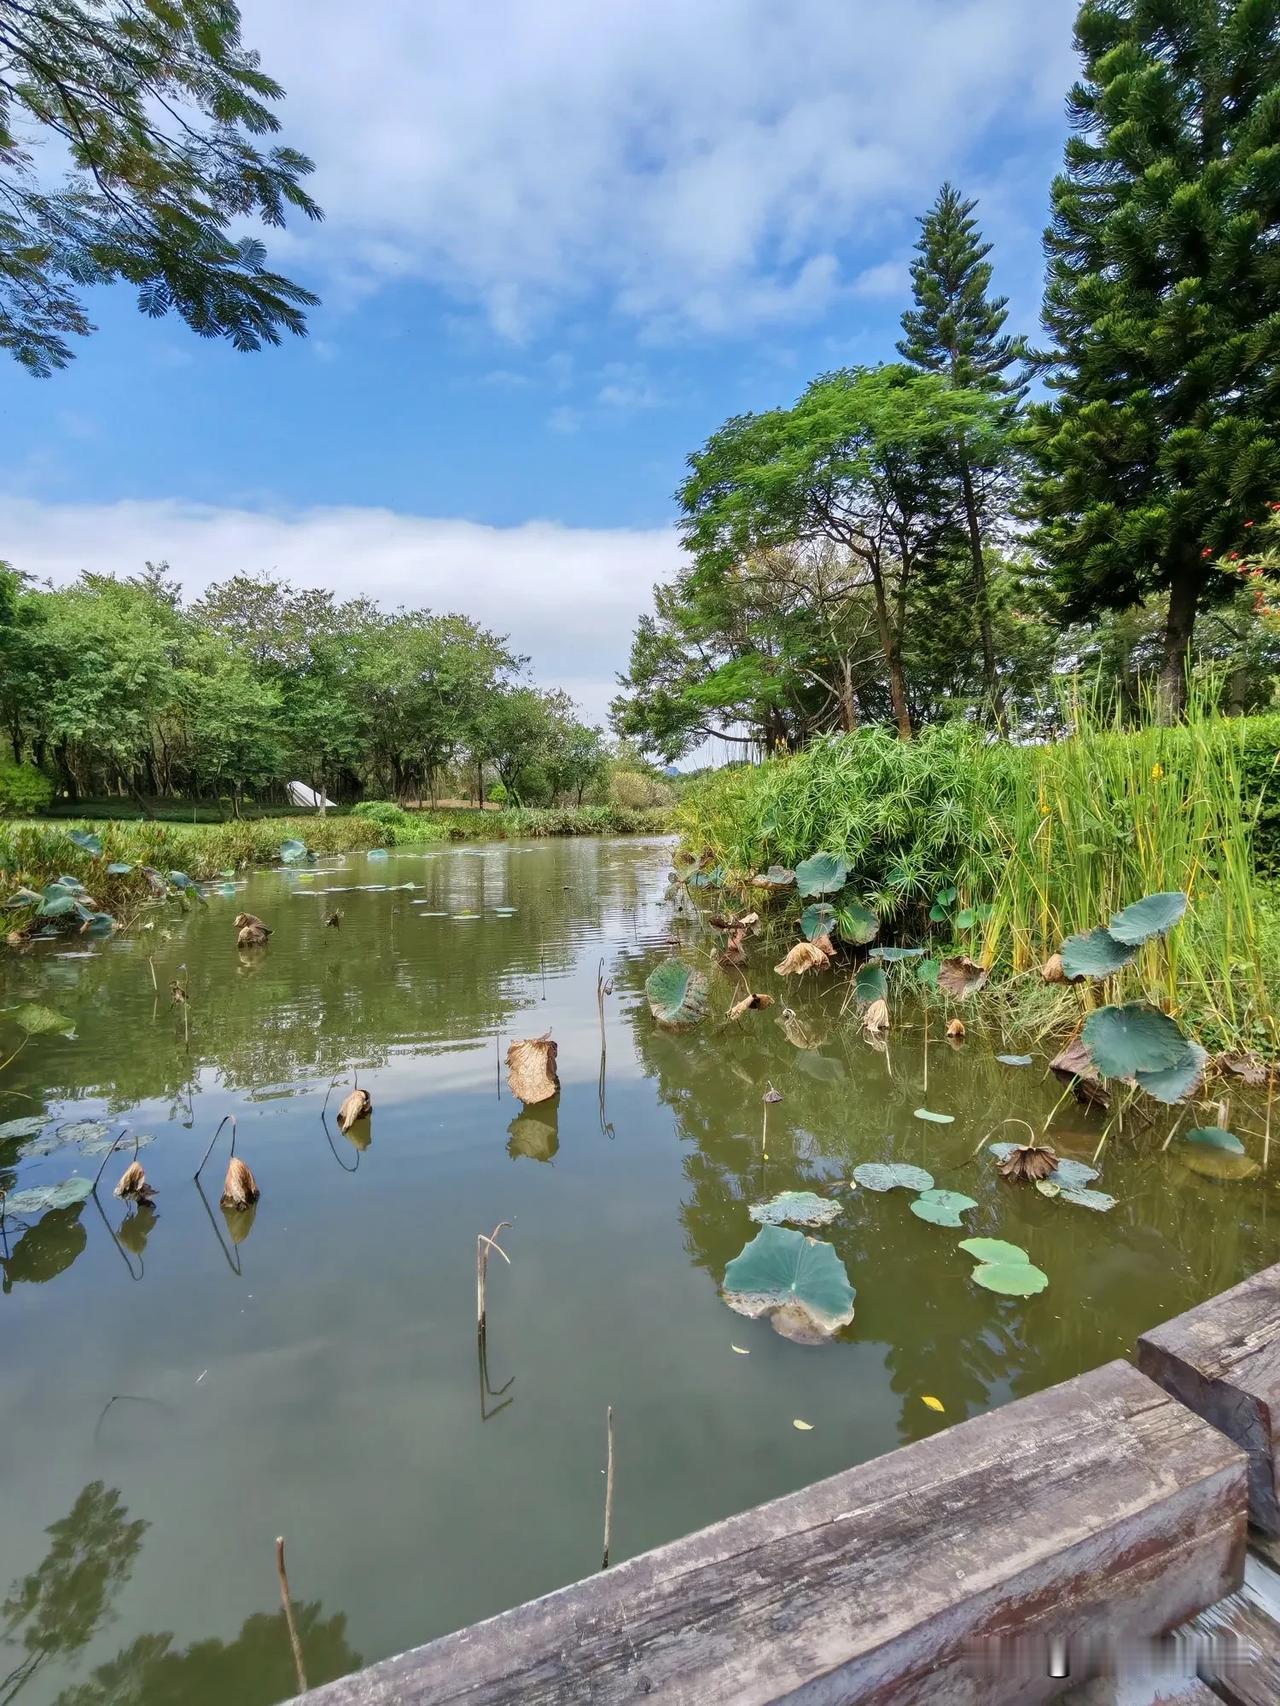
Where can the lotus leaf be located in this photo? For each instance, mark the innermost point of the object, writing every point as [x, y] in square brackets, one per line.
[821, 874]
[857, 923]
[1072, 1175]
[85, 842]
[938, 1119]
[1011, 1279]
[531, 1069]
[119, 868]
[891, 956]
[39, 1021]
[927, 973]
[1219, 1164]
[98, 924]
[1214, 1137]
[966, 920]
[293, 849]
[817, 920]
[677, 995]
[804, 957]
[712, 879]
[57, 902]
[1179, 1081]
[1014, 1059]
[381, 853]
[24, 897]
[942, 1208]
[888, 1175]
[947, 896]
[26, 1127]
[73, 885]
[994, 1250]
[961, 977]
[1095, 954]
[821, 1067]
[1083, 1198]
[871, 984]
[801, 1208]
[938, 913]
[798, 1282]
[1134, 1038]
[43, 1197]
[83, 1131]
[1150, 916]
[534, 1134]
[1002, 1151]
[776, 877]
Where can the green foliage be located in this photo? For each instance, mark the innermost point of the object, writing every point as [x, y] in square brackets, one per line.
[381, 811]
[154, 111]
[784, 1270]
[677, 995]
[24, 790]
[1159, 443]
[1096, 953]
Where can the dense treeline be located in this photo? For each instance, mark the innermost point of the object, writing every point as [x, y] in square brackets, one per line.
[924, 538]
[118, 686]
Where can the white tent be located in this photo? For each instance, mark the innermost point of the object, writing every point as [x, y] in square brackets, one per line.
[300, 795]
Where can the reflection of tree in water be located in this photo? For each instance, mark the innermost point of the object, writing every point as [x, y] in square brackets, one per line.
[46, 1249]
[64, 1603]
[59, 1608]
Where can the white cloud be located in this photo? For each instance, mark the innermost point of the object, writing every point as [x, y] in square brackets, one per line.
[711, 167]
[568, 597]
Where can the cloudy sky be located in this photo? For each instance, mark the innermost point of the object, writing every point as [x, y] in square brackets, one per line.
[563, 242]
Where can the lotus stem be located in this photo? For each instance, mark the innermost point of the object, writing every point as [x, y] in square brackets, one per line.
[483, 1247]
[209, 1151]
[152, 964]
[111, 1149]
[608, 1489]
[287, 1603]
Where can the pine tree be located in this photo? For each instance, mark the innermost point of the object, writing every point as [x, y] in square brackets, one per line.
[1162, 298]
[957, 329]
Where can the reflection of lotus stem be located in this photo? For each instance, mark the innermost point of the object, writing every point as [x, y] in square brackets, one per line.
[1271, 1090]
[483, 1247]
[152, 965]
[608, 1489]
[294, 1642]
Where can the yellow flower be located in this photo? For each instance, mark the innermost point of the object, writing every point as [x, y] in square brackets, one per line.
[1157, 771]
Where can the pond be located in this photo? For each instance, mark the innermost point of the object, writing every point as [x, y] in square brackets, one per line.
[172, 1399]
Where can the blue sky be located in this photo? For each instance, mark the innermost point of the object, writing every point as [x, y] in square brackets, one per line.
[564, 242]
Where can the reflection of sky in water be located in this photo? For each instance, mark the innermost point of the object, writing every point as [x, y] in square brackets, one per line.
[331, 1392]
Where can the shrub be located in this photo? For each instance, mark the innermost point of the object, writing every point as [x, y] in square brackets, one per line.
[632, 790]
[498, 794]
[24, 790]
[380, 811]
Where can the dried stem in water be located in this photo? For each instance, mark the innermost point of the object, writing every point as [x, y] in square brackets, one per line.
[287, 1603]
[209, 1151]
[608, 1490]
[483, 1247]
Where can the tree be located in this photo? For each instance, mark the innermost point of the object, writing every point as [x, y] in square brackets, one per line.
[956, 329]
[1163, 303]
[155, 106]
[862, 462]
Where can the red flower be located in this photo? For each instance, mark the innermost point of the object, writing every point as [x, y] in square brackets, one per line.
[1233, 556]
[1207, 552]
[1248, 524]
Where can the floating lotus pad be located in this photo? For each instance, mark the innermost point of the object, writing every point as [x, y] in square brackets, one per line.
[1082, 1198]
[1004, 1268]
[799, 1283]
[1153, 915]
[801, 1208]
[818, 920]
[28, 1126]
[857, 923]
[889, 1175]
[892, 955]
[40, 1021]
[776, 877]
[942, 1208]
[1179, 1081]
[1097, 953]
[821, 874]
[677, 995]
[1136, 1037]
[871, 984]
[1072, 1175]
[41, 1198]
[1215, 1137]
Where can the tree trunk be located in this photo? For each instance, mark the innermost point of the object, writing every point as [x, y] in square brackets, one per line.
[990, 676]
[1184, 598]
[891, 646]
[848, 703]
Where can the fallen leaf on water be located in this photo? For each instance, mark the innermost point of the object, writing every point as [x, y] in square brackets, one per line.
[748, 1004]
[805, 956]
[739, 1349]
[531, 1069]
[961, 977]
[934, 1404]
[804, 1427]
[876, 1017]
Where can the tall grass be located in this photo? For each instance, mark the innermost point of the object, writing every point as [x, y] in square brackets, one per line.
[1051, 839]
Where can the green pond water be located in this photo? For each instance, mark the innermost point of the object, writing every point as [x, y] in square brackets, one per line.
[171, 1399]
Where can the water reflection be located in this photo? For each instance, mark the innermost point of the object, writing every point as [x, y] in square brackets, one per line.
[44, 1250]
[535, 1131]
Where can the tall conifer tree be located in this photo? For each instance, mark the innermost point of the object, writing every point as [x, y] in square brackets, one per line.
[957, 329]
[1162, 439]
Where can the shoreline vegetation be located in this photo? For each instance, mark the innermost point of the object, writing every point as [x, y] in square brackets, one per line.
[36, 852]
[999, 853]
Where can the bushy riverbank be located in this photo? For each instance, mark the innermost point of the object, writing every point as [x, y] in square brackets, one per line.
[1000, 852]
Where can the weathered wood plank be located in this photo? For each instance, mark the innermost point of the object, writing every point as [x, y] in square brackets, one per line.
[1223, 1359]
[1098, 1511]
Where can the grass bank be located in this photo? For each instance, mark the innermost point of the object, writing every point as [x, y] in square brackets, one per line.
[1039, 843]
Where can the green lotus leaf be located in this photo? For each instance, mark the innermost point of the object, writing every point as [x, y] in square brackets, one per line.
[57, 904]
[1011, 1279]
[947, 896]
[381, 853]
[677, 995]
[1214, 1137]
[1073, 1175]
[1002, 1151]
[83, 1131]
[871, 984]
[85, 842]
[43, 1197]
[965, 920]
[798, 1282]
[1047, 1188]
[712, 879]
[776, 877]
[1014, 1059]
[817, 920]
[942, 1208]
[1134, 1038]
[1083, 1198]
[1177, 1082]
[28, 1126]
[938, 1119]
[1095, 954]
[24, 897]
[119, 868]
[1151, 916]
[857, 923]
[821, 874]
[39, 1021]
[993, 1250]
[292, 849]
[98, 924]
[927, 973]
[891, 956]
[801, 1208]
[72, 885]
[100, 1145]
[938, 913]
[889, 1175]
